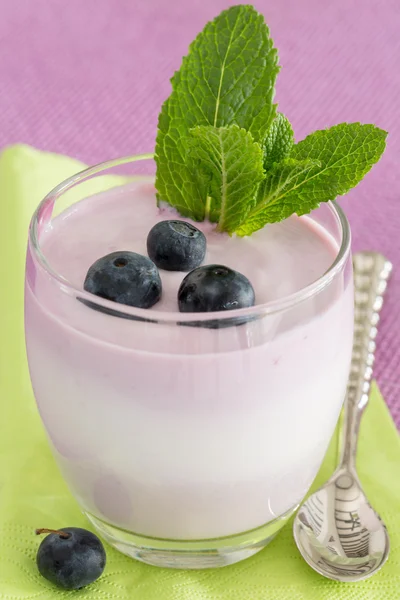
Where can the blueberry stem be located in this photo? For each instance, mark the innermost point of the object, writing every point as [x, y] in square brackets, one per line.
[62, 534]
[207, 208]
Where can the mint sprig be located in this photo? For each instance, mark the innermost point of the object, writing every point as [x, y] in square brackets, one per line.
[224, 154]
[228, 77]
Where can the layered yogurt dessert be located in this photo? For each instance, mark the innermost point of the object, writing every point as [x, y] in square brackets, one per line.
[189, 335]
[188, 432]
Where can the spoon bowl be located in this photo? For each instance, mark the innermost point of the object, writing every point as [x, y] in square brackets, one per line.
[339, 533]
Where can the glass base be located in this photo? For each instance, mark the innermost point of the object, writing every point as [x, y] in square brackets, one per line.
[190, 554]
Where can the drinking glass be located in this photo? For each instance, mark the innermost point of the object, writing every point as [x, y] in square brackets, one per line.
[187, 440]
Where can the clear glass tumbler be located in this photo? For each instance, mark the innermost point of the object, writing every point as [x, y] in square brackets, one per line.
[187, 443]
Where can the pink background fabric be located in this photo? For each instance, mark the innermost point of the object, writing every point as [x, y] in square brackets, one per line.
[87, 78]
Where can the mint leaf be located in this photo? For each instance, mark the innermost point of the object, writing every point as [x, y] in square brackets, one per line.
[343, 154]
[227, 78]
[346, 151]
[175, 181]
[229, 74]
[279, 141]
[233, 162]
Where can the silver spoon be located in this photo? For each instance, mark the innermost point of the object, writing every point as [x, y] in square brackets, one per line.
[336, 530]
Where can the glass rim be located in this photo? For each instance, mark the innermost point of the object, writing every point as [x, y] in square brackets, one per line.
[143, 314]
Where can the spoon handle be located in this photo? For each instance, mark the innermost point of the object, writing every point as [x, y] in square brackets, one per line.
[371, 273]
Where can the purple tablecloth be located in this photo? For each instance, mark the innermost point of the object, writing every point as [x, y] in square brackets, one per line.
[87, 78]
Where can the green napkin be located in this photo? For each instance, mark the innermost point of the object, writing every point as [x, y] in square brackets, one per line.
[33, 494]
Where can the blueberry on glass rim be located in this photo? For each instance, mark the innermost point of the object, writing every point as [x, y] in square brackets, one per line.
[176, 245]
[213, 288]
[71, 557]
[126, 278]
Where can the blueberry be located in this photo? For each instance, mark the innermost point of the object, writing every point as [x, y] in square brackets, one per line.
[214, 288]
[126, 278]
[176, 246]
[71, 557]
